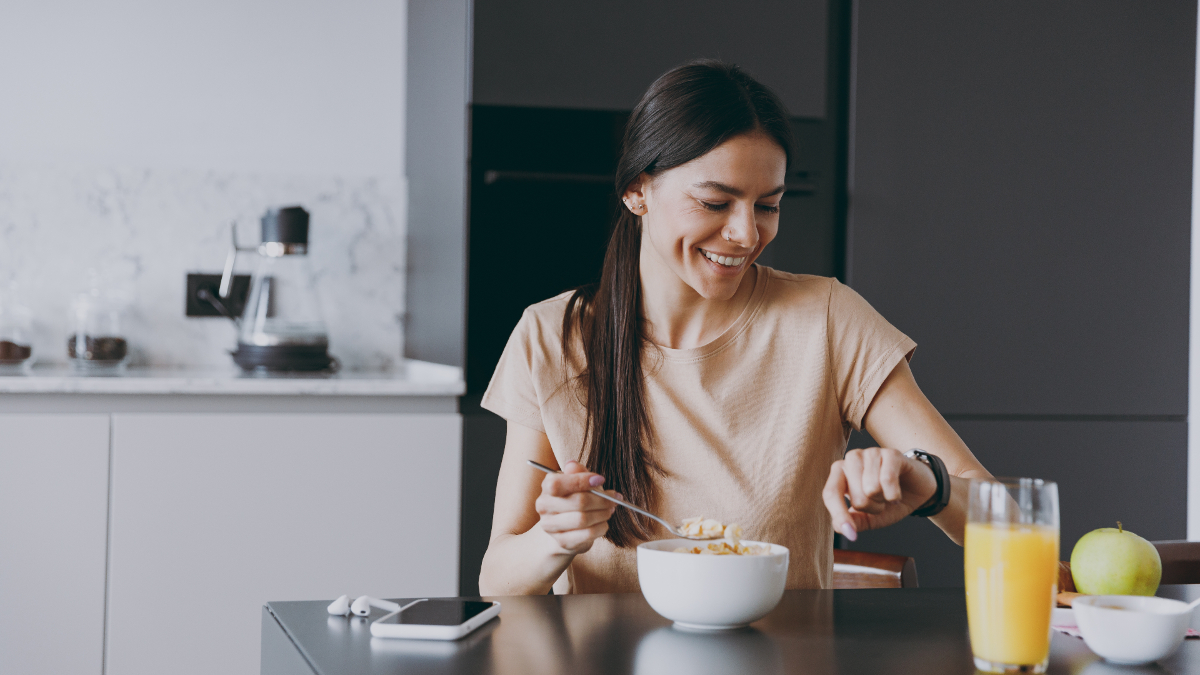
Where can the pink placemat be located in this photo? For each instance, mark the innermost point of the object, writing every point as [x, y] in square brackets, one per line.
[1073, 631]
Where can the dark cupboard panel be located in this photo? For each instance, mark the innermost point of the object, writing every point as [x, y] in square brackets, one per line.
[541, 209]
[810, 236]
[1134, 472]
[603, 55]
[1021, 198]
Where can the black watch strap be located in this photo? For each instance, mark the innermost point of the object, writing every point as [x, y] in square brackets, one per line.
[941, 497]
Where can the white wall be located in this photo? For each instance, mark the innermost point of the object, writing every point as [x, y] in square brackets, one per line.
[244, 85]
[133, 131]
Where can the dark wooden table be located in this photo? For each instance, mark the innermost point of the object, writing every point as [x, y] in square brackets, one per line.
[877, 632]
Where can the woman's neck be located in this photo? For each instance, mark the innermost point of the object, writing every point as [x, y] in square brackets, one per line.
[680, 318]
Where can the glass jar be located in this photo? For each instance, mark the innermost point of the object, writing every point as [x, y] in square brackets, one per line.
[16, 337]
[97, 343]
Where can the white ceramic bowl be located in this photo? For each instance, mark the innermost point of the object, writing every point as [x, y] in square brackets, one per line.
[710, 592]
[1131, 629]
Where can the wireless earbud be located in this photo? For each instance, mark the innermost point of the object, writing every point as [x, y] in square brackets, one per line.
[341, 606]
[363, 604]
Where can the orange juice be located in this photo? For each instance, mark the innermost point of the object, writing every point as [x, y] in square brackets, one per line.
[1011, 575]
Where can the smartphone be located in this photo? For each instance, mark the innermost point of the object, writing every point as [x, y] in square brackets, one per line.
[435, 619]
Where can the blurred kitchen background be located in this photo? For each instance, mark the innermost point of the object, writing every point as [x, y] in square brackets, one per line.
[1008, 183]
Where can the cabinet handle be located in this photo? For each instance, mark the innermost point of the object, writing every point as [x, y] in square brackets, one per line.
[491, 176]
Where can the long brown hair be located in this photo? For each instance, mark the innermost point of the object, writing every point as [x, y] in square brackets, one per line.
[686, 113]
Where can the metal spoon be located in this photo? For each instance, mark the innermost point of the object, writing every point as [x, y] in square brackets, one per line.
[598, 493]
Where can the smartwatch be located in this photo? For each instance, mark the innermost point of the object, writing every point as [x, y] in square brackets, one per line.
[941, 496]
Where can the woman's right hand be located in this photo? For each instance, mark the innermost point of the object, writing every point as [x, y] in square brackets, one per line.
[569, 512]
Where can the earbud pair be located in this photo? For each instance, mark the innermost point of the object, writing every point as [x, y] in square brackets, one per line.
[361, 606]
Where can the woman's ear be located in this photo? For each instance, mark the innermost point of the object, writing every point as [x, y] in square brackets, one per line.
[635, 195]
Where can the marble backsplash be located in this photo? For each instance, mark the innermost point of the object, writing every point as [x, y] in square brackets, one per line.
[140, 231]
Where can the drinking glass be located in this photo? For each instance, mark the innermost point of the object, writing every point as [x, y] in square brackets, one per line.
[1011, 572]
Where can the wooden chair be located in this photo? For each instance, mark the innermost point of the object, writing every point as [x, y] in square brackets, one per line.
[859, 569]
[1180, 565]
[1180, 561]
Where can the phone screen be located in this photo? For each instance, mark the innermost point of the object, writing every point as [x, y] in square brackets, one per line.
[442, 612]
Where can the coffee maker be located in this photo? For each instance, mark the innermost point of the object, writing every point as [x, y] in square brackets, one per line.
[281, 327]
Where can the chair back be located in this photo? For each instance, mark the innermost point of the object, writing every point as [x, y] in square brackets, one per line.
[859, 569]
[1180, 561]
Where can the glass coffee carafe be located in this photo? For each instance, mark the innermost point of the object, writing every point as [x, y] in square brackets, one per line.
[16, 333]
[97, 343]
[281, 327]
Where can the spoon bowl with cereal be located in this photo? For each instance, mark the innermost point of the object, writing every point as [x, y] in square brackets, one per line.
[687, 531]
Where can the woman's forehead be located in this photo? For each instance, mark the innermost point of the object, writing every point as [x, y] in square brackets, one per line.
[745, 164]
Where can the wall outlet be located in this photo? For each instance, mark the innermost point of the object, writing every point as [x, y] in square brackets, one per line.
[198, 306]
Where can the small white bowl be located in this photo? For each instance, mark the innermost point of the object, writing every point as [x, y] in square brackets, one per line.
[1131, 629]
[710, 592]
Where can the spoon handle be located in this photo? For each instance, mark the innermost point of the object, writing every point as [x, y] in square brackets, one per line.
[612, 499]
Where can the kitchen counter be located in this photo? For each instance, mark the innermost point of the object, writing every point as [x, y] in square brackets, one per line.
[418, 386]
[414, 378]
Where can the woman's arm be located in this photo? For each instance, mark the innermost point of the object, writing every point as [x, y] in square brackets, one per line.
[541, 522]
[883, 485]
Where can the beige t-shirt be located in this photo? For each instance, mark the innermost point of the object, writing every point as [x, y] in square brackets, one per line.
[746, 426]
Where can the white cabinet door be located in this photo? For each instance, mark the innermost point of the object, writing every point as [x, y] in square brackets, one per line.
[213, 515]
[53, 520]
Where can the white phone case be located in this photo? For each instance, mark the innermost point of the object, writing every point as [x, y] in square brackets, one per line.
[415, 631]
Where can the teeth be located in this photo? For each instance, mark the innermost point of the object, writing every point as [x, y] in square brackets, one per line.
[723, 260]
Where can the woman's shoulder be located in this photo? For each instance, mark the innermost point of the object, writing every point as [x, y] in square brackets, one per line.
[546, 317]
[541, 325]
[791, 290]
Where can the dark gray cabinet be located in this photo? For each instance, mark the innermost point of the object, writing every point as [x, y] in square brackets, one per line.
[1020, 205]
[603, 55]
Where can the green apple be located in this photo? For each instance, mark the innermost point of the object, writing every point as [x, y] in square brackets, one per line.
[1113, 561]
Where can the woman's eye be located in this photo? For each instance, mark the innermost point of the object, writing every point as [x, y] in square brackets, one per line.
[714, 207]
[767, 208]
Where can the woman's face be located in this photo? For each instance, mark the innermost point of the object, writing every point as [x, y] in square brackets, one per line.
[708, 220]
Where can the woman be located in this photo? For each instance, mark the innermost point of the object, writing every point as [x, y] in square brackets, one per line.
[694, 382]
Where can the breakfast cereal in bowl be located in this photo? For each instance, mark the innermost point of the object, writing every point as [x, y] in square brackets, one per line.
[731, 534]
[721, 584]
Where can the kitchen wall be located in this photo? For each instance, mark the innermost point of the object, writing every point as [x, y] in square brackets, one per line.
[132, 133]
[1021, 207]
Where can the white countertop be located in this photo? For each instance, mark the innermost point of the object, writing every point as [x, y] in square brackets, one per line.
[415, 378]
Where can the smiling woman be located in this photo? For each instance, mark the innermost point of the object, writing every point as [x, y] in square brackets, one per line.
[692, 380]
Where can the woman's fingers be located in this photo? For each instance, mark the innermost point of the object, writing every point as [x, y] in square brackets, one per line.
[852, 467]
[874, 478]
[889, 474]
[580, 541]
[570, 512]
[835, 502]
[574, 478]
[869, 479]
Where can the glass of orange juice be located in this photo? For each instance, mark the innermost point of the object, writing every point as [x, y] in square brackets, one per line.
[1011, 572]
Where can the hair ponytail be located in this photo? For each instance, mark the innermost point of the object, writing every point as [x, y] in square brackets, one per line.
[687, 112]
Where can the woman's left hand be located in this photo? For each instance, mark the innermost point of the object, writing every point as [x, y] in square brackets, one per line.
[883, 486]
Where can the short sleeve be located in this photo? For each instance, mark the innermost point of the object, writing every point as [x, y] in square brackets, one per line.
[512, 393]
[864, 349]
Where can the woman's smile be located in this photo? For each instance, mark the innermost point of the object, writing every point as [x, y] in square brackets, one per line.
[723, 260]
